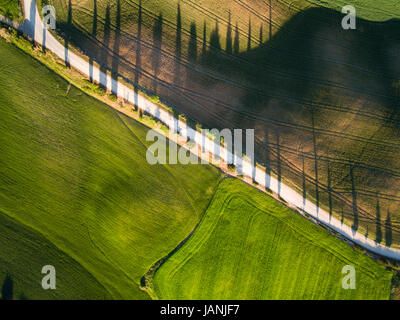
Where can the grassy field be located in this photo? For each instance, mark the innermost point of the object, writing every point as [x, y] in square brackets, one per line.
[249, 246]
[11, 9]
[381, 10]
[23, 253]
[76, 190]
[322, 100]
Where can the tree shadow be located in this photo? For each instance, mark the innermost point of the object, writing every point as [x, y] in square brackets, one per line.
[157, 42]
[236, 42]
[304, 184]
[314, 139]
[211, 55]
[94, 20]
[388, 230]
[178, 47]
[329, 190]
[228, 47]
[354, 196]
[138, 62]
[204, 41]
[342, 215]
[115, 57]
[104, 53]
[279, 162]
[215, 42]
[378, 235]
[69, 28]
[270, 19]
[267, 163]
[7, 290]
[32, 19]
[94, 34]
[192, 49]
[249, 37]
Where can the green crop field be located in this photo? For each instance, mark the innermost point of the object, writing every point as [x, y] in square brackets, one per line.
[248, 246]
[323, 101]
[23, 253]
[77, 192]
[373, 10]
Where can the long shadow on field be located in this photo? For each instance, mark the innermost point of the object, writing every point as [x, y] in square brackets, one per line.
[378, 232]
[288, 63]
[192, 49]
[7, 290]
[329, 189]
[304, 185]
[279, 162]
[106, 41]
[270, 19]
[138, 62]
[94, 34]
[178, 48]
[294, 71]
[249, 37]
[117, 36]
[315, 152]
[157, 42]
[388, 230]
[69, 27]
[229, 44]
[354, 195]
[236, 42]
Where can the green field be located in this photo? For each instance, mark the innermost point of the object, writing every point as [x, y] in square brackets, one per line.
[23, 253]
[373, 10]
[76, 191]
[11, 9]
[248, 246]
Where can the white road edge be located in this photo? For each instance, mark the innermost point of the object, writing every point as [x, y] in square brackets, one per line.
[33, 26]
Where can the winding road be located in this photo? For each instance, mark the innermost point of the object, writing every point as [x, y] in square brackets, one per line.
[33, 27]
